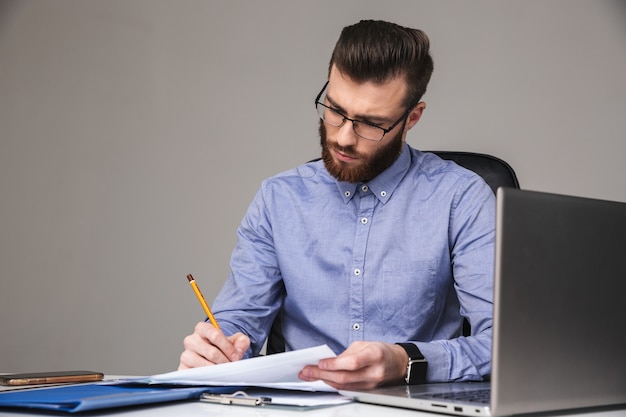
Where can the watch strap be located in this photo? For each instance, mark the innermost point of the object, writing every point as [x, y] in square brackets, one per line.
[417, 366]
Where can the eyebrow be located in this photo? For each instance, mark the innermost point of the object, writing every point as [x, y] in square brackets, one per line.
[372, 119]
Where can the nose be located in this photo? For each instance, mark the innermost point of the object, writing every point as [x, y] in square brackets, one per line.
[345, 134]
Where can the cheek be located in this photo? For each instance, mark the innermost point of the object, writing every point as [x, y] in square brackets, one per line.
[367, 149]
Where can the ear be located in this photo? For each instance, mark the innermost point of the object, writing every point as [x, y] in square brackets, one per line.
[415, 115]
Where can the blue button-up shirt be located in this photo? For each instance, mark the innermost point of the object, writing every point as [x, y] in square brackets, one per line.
[400, 258]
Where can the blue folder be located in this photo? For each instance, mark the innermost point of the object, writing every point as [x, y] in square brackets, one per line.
[97, 396]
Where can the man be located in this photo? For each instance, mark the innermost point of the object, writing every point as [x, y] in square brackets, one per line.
[374, 245]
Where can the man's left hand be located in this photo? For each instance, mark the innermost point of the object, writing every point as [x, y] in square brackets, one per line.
[363, 365]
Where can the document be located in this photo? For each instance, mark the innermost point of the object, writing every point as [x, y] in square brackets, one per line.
[272, 371]
[255, 376]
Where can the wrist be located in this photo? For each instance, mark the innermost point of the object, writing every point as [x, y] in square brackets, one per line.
[402, 359]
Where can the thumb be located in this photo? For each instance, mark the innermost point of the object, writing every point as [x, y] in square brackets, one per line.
[241, 342]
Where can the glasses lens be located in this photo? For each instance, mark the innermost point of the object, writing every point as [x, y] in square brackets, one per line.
[334, 118]
[329, 115]
[368, 131]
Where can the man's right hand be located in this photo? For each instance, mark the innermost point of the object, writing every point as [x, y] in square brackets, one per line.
[209, 346]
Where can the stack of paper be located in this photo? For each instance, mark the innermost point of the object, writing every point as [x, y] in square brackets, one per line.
[272, 371]
[278, 372]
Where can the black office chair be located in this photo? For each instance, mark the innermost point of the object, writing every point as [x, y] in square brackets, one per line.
[495, 172]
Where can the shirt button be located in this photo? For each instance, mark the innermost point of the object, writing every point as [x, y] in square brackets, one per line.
[356, 326]
[364, 188]
[383, 193]
[357, 272]
[347, 193]
[364, 220]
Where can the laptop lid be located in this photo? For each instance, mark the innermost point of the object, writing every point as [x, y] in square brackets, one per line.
[559, 337]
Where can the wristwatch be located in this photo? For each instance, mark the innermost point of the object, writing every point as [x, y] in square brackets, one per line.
[417, 366]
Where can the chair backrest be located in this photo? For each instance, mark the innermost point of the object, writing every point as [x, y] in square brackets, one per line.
[495, 172]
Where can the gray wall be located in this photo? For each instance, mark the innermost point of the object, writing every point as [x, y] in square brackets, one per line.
[133, 134]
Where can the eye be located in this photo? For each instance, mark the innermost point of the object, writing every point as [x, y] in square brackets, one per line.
[369, 127]
[371, 124]
[334, 114]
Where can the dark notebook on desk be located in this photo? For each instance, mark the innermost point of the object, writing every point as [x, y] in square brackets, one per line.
[559, 338]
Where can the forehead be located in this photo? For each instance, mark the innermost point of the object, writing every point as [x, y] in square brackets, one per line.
[368, 97]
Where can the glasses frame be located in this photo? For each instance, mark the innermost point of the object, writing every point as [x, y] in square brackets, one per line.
[384, 130]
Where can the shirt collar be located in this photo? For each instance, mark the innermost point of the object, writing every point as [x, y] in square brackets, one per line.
[384, 184]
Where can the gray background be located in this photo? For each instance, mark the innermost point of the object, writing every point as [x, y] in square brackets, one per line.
[133, 134]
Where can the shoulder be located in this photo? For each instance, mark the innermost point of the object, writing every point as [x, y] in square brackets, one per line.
[446, 178]
[300, 179]
[432, 164]
[441, 172]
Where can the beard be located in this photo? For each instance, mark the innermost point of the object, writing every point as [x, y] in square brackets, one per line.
[368, 168]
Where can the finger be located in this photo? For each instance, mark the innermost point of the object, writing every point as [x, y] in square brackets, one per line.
[338, 379]
[342, 363]
[190, 359]
[241, 342]
[358, 356]
[231, 348]
[224, 351]
[210, 344]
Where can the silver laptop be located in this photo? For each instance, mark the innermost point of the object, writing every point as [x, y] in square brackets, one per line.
[559, 337]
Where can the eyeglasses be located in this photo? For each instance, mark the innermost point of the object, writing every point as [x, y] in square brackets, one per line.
[362, 128]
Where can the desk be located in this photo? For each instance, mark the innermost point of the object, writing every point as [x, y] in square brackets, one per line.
[198, 409]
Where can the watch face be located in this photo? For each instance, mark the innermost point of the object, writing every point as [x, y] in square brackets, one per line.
[416, 368]
[416, 371]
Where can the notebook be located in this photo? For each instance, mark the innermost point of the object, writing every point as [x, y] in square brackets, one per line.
[559, 337]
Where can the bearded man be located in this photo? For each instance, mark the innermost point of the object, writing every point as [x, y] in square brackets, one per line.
[377, 250]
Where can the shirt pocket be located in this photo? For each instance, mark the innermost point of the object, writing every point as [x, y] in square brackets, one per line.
[409, 291]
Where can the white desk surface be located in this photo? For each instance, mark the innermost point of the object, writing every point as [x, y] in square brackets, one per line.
[198, 409]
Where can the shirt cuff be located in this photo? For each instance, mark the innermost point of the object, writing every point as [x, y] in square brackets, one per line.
[438, 360]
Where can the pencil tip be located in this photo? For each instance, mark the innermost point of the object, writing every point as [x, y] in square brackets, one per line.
[189, 278]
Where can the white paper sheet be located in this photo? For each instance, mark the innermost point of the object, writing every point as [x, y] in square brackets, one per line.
[272, 371]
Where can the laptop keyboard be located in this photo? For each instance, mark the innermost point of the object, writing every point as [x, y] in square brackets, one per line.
[480, 396]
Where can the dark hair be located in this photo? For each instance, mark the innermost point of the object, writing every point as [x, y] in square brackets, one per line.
[373, 50]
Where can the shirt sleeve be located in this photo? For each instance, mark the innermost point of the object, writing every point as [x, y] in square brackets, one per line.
[471, 237]
[252, 294]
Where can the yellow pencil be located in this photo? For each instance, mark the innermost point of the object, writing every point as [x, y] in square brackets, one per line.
[205, 306]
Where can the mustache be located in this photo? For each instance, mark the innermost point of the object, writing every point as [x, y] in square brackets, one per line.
[346, 150]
